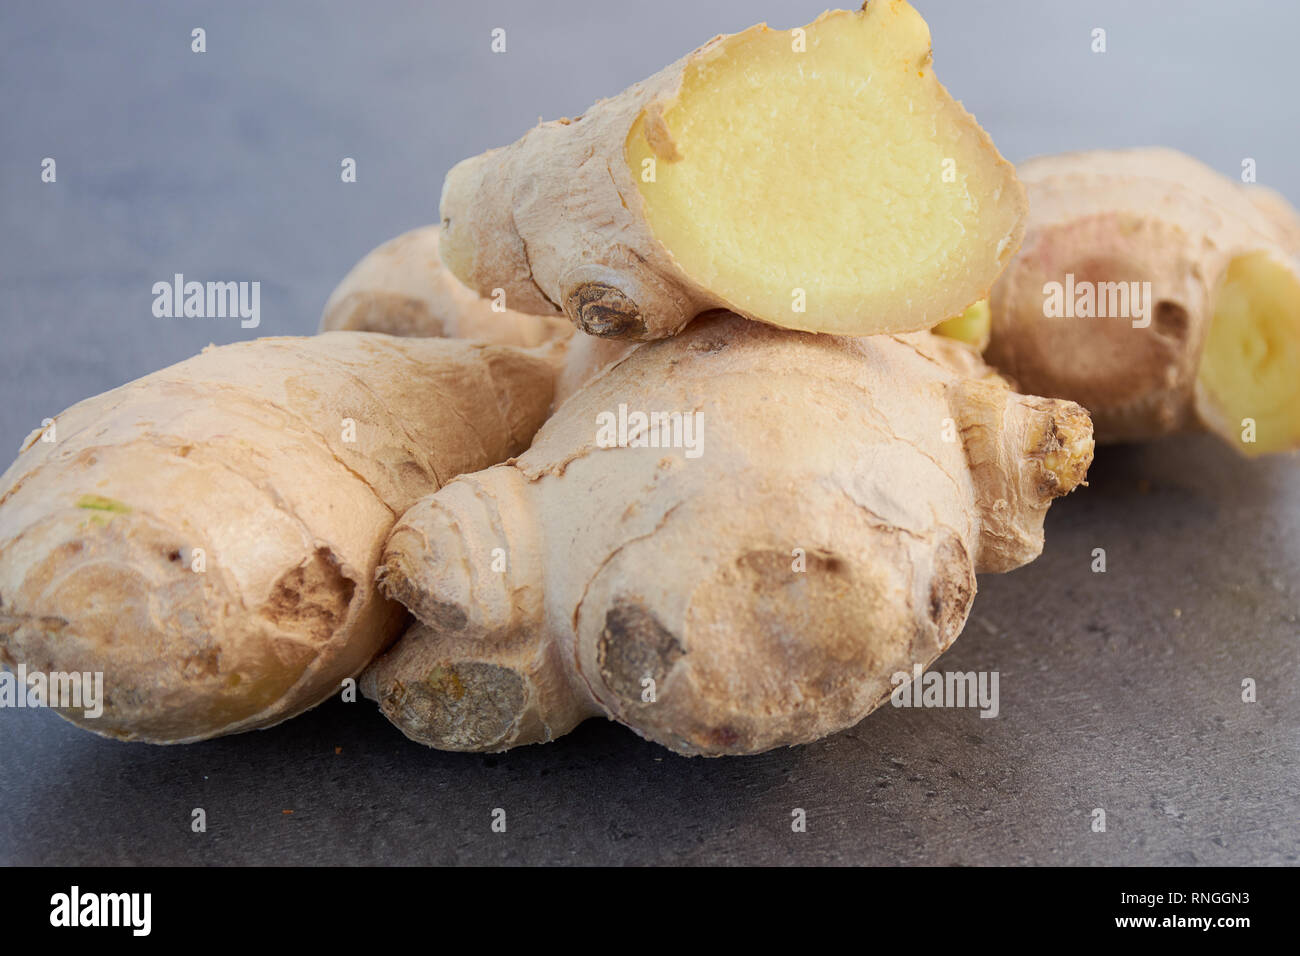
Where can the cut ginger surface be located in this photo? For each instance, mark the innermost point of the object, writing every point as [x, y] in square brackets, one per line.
[844, 172]
[1248, 382]
[819, 178]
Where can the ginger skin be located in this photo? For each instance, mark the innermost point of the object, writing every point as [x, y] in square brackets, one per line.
[207, 536]
[402, 288]
[759, 594]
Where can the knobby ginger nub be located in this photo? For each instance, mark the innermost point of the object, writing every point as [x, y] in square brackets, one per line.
[818, 179]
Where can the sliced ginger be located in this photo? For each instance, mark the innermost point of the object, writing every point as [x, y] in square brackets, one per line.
[819, 179]
[1211, 338]
[823, 171]
[1250, 367]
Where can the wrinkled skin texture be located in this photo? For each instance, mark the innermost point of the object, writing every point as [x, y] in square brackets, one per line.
[207, 536]
[760, 594]
[403, 288]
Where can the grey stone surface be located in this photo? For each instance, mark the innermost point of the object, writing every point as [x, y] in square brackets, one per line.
[1118, 690]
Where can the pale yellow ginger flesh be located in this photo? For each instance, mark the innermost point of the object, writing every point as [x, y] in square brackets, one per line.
[972, 326]
[1250, 368]
[843, 180]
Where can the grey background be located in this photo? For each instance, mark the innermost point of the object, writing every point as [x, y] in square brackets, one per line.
[1118, 691]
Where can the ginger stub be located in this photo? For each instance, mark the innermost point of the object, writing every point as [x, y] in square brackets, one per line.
[818, 179]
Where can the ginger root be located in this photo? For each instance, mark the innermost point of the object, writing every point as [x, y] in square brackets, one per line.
[1209, 270]
[402, 288]
[816, 531]
[207, 536]
[819, 179]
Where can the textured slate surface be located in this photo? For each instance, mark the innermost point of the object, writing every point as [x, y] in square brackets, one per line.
[1118, 690]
